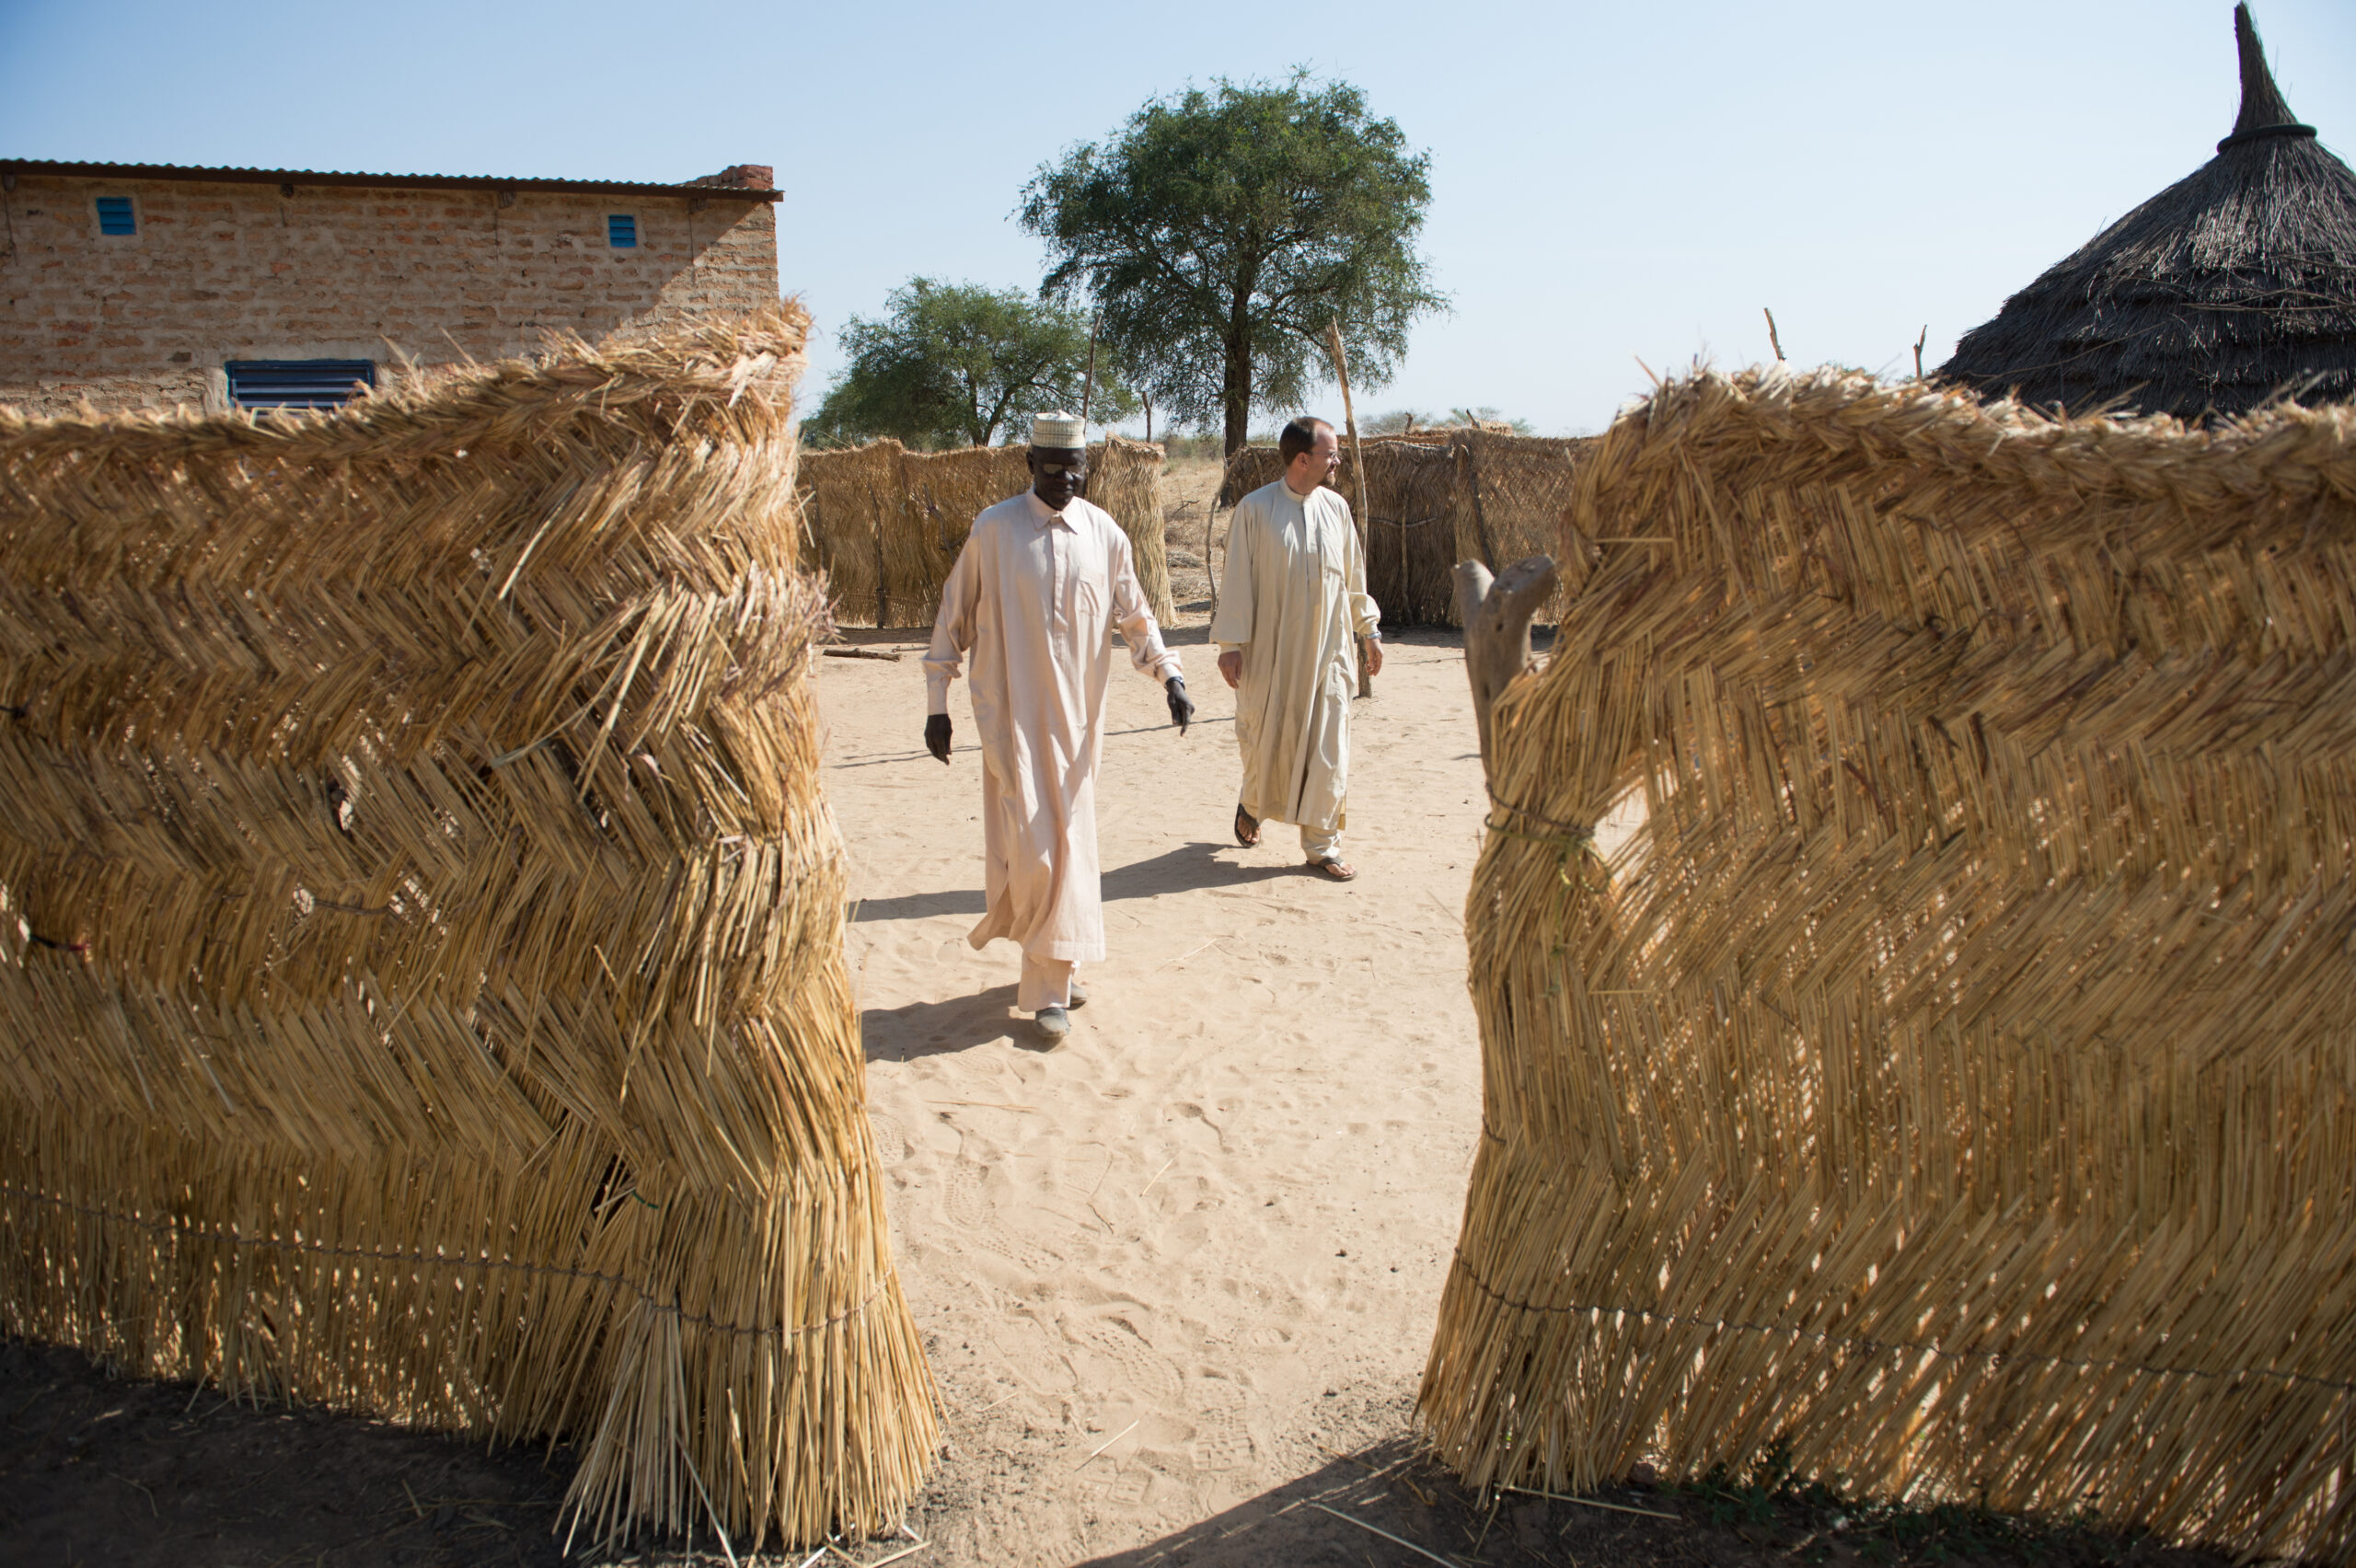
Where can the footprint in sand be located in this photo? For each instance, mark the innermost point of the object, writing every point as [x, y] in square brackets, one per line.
[1223, 1442]
[975, 1213]
[1112, 1357]
[891, 1140]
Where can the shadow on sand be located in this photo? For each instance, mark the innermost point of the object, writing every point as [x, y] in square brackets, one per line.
[920, 906]
[1323, 1518]
[1184, 868]
[933, 1029]
[958, 1023]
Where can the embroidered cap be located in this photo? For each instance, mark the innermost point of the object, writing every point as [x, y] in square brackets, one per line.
[1059, 431]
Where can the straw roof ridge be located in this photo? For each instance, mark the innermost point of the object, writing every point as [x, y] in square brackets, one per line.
[2231, 289]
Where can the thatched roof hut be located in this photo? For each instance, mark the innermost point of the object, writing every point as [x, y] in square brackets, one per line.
[2234, 286]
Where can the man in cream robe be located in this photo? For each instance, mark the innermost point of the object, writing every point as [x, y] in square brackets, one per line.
[1293, 612]
[1041, 582]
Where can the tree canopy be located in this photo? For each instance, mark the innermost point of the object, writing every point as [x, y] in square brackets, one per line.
[1220, 231]
[957, 364]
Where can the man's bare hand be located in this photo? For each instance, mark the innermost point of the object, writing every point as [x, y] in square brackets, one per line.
[1231, 667]
[1373, 646]
[936, 735]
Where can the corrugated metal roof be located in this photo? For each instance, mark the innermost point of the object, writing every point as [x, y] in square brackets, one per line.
[707, 188]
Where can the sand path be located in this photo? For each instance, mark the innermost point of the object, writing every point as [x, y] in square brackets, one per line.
[1196, 1251]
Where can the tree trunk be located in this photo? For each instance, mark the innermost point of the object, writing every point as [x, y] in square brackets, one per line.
[1237, 396]
[1236, 387]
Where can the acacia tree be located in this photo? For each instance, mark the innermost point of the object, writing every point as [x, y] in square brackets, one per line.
[1220, 232]
[952, 365]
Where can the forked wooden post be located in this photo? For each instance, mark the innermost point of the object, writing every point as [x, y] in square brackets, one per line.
[1358, 471]
[1495, 612]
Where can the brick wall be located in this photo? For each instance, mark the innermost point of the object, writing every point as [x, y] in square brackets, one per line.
[219, 271]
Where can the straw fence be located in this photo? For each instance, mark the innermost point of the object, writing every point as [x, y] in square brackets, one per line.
[887, 522]
[422, 975]
[1435, 498]
[1955, 1073]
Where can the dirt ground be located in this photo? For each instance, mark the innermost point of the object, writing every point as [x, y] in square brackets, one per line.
[1176, 1275]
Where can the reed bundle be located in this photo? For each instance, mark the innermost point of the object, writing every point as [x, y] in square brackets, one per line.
[1437, 498]
[422, 970]
[1955, 1076]
[888, 523]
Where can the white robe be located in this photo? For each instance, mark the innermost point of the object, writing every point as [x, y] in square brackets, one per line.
[1032, 603]
[1293, 597]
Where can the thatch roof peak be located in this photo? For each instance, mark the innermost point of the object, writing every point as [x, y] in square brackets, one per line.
[2233, 287]
[2264, 111]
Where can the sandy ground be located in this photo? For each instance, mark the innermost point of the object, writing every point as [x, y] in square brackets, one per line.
[1196, 1250]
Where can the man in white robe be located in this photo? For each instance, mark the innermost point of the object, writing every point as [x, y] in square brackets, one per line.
[1293, 614]
[1041, 582]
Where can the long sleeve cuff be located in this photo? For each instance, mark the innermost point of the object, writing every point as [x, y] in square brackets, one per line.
[936, 692]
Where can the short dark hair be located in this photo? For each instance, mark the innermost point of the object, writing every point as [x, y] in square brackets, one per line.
[1300, 436]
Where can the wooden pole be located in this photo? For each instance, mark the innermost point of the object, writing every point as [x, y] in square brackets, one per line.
[1357, 470]
[1088, 387]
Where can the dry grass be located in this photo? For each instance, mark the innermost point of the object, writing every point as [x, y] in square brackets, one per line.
[424, 941]
[1953, 1076]
[887, 522]
[1437, 498]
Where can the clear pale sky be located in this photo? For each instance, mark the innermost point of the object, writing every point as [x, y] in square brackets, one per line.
[1608, 183]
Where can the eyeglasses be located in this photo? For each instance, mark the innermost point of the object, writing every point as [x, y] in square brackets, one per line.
[1077, 471]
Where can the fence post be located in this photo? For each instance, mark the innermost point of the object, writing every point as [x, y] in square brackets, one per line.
[1480, 513]
[1357, 476]
[883, 593]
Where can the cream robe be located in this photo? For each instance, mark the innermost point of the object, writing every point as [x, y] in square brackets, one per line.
[1293, 597]
[1033, 603]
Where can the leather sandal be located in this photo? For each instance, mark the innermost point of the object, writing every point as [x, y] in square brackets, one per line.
[1247, 828]
[1333, 866]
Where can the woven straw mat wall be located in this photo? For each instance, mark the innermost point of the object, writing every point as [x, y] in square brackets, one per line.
[1955, 1073]
[888, 523]
[1434, 499]
[422, 971]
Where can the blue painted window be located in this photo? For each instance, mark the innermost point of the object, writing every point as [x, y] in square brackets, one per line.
[297, 384]
[115, 215]
[621, 231]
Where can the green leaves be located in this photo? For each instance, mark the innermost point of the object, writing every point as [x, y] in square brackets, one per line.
[1220, 231]
[955, 364]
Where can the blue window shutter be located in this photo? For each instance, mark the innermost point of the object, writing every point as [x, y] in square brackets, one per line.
[115, 215]
[297, 384]
[621, 231]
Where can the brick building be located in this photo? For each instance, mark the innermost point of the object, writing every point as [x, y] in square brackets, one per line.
[143, 285]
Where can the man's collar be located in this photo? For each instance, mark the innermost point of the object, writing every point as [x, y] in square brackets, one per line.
[1287, 482]
[1043, 515]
